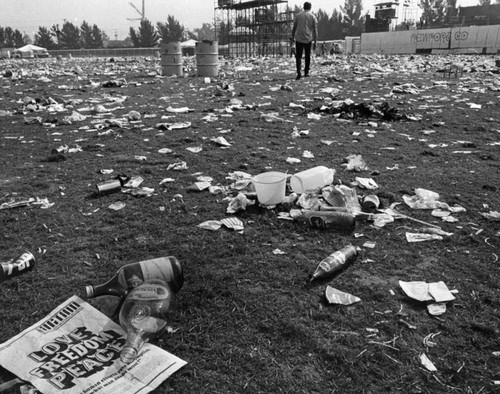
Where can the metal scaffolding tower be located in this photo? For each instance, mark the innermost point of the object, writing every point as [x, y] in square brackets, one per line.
[253, 27]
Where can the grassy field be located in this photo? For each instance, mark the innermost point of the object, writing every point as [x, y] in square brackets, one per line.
[245, 321]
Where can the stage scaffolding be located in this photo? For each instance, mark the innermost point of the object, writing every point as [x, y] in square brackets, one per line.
[253, 28]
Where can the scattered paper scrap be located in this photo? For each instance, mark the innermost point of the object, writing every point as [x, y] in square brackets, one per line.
[15, 204]
[194, 149]
[436, 309]
[167, 180]
[173, 126]
[422, 237]
[424, 360]
[369, 244]
[367, 183]
[116, 206]
[182, 110]
[292, 160]
[232, 223]
[199, 186]
[440, 292]
[335, 296]
[418, 290]
[178, 166]
[491, 215]
[423, 291]
[220, 141]
[134, 181]
[212, 225]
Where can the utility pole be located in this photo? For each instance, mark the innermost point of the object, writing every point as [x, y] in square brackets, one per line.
[141, 13]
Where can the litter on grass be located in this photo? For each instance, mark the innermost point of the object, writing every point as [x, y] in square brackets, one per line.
[335, 296]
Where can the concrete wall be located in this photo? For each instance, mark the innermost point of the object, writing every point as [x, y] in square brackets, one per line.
[469, 39]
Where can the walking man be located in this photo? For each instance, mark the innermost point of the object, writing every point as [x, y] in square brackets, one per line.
[305, 34]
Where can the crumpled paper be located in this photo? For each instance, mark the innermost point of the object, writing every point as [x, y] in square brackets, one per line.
[238, 203]
[491, 215]
[424, 199]
[367, 183]
[355, 163]
[341, 196]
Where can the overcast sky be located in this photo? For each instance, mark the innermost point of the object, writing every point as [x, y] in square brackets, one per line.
[112, 16]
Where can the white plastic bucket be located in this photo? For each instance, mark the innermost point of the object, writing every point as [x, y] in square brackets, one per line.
[270, 187]
[311, 179]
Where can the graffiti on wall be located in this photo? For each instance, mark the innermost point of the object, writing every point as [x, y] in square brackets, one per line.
[464, 39]
[418, 38]
[461, 35]
[443, 37]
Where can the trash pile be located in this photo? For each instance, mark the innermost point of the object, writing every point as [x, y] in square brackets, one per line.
[348, 109]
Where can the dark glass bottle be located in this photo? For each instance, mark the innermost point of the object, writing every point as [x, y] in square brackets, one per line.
[334, 220]
[168, 269]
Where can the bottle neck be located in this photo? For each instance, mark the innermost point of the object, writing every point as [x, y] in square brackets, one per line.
[134, 343]
[111, 287]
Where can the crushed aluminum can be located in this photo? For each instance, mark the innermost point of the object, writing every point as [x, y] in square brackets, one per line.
[17, 266]
[61, 149]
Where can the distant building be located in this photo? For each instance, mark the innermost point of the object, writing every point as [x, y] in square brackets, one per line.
[406, 14]
[388, 15]
[478, 15]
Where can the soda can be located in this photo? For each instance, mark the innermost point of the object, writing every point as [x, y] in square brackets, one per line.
[17, 266]
[111, 186]
[370, 203]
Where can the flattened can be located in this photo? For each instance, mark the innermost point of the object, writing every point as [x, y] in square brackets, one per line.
[21, 264]
[111, 186]
[61, 149]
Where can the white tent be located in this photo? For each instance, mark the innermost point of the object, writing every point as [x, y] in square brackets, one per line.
[188, 47]
[188, 44]
[30, 51]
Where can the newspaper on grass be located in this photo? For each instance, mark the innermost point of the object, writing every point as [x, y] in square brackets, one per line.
[76, 349]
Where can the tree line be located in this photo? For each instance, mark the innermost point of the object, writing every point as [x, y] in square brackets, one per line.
[348, 21]
[70, 36]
